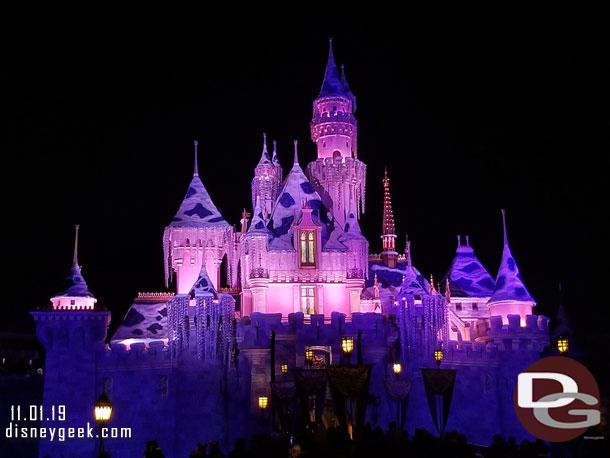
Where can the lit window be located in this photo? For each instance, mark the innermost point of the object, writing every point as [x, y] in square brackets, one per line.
[308, 300]
[308, 248]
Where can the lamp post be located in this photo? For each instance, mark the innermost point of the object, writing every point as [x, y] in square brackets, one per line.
[284, 369]
[397, 368]
[263, 402]
[438, 357]
[103, 410]
[347, 345]
[562, 345]
[309, 357]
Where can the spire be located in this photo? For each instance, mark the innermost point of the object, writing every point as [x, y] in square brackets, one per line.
[296, 154]
[74, 284]
[265, 154]
[432, 289]
[459, 237]
[388, 214]
[332, 84]
[274, 159]
[409, 263]
[504, 227]
[447, 290]
[509, 286]
[196, 170]
[75, 257]
[375, 287]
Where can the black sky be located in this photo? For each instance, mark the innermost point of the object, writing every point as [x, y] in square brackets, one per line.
[469, 116]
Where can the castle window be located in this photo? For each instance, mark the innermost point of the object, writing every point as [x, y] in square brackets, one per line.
[308, 248]
[458, 307]
[475, 306]
[334, 108]
[308, 300]
[72, 302]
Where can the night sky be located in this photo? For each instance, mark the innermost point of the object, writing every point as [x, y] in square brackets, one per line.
[468, 118]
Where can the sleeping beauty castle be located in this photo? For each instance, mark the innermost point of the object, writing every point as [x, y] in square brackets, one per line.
[288, 319]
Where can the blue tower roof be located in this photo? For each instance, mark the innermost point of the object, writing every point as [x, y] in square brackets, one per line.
[414, 282]
[294, 192]
[467, 276]
[74, 284]
[265, 159]
[197, 208]
[203, 286]
[258, 226]
[509, 285]
[332, 84]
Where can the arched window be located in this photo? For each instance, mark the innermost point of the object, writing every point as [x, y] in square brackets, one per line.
[308, 300]
[308, 248]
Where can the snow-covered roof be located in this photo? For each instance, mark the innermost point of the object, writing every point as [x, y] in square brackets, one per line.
[467, 276]
[352, 229]
[197, 208]
[295, 191]
[203, 286]
[145, 321]
[509, 285]
[75, 285]
[258, 225]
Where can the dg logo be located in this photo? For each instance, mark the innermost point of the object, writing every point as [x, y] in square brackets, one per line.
[557, 399]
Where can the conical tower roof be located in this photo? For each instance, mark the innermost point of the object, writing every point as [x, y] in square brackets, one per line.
[265, 159]
[332, 84]
[467, 276]
[295, 190]
[258, 226]
[203, 286]
[74, 284]
[197, 208]
[509, 285]
[414, 282]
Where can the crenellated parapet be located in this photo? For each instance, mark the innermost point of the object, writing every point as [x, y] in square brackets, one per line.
[137, 355]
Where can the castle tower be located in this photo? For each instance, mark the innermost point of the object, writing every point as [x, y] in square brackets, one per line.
[337, 173]
[389, 255]
[198, 235]
[256, 257]
[510, 297]
[267, 179]
[72, 331]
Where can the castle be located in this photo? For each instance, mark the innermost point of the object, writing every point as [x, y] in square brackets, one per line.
[284, 290]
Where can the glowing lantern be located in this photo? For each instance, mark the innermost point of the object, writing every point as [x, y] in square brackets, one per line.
[397, 368]
[438, 356]
[103, 408]
[347, 345]
[284, 369]
[562, 345]
[309, 356]
[263, 401]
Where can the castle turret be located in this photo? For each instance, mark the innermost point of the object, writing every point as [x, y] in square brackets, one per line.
[198, 235]
[267, 179]
[256, 257]
[389, 255]
[337, 173]
[509, 297]
[72, 331]
[75, 295]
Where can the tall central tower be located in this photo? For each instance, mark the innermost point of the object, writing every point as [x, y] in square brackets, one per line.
[337, 174]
